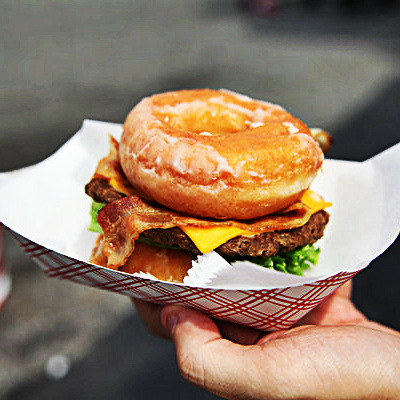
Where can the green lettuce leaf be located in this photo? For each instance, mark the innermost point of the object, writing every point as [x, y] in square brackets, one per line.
[94, 225]
[292, 262]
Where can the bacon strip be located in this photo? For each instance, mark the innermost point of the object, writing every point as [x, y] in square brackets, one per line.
[124, 220]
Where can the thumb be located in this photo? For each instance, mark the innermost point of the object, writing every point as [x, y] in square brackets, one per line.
[204, 357]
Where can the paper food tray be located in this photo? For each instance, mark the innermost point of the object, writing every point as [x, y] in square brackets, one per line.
[47, 212]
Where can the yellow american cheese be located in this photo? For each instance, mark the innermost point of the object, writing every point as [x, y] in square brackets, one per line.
[314, 201]
[207, 239]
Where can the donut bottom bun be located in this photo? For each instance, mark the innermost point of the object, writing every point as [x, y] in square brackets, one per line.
[218, 154]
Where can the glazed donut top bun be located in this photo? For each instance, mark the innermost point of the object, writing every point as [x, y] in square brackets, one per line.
[218, 154]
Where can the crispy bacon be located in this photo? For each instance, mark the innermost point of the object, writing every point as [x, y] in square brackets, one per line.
[124, 220]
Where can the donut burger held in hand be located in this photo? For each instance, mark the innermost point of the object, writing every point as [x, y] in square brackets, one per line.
[208, 170]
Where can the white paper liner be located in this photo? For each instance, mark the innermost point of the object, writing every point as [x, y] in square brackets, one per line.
[46, 203]
[212, 270]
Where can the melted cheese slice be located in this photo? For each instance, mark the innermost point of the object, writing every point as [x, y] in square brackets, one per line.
[314, 201]
[208, 239]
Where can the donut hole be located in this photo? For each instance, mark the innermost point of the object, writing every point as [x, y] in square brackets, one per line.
[213, 113]
[214, 120]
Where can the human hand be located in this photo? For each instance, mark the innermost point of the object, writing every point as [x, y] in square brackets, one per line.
[334, 352]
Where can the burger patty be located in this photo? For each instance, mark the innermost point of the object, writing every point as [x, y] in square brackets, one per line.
[101, 191]
[265, 244]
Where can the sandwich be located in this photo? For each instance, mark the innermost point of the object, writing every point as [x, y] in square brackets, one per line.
[203, 170]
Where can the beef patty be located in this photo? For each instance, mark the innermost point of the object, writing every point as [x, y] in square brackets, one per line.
[265, 244]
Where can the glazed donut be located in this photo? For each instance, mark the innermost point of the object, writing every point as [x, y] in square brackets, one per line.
[218, 154]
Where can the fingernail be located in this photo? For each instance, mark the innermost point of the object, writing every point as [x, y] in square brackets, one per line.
[172, 320]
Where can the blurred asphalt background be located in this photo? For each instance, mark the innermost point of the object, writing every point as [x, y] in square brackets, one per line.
[334, 65]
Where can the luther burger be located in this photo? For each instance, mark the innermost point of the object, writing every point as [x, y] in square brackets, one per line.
[207, 170]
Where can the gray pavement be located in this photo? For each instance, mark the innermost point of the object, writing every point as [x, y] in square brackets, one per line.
[63, 61]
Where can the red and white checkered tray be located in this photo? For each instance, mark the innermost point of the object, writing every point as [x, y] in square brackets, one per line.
[266, 309]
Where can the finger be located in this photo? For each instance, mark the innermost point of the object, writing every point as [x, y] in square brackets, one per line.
[336, 309]
[204, 357]
[227, 369]
[344, 290]
[150, 315]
